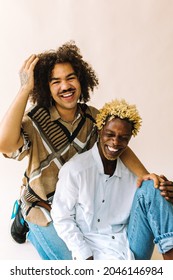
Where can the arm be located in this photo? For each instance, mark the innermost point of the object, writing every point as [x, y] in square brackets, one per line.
[134, 165]
[161, 182]
[64, 213]
[10, 126]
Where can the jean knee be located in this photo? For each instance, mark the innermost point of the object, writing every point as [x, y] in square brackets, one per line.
[147, 189]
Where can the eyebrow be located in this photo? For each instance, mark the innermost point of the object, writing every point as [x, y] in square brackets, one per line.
[68, 76]
[107, 130]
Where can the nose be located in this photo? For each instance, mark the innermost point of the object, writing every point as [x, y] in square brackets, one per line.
[64, 85]
[115, 141]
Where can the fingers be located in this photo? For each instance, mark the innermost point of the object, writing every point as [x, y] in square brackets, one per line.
[156, 179]
[166, 190]
[166, 183]
[30, 62]
[163, 177]
[168, 196]
[167, 193]
[26, 72]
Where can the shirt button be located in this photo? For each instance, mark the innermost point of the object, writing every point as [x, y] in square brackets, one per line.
[103, 201]
[98, 220]
[113, 237]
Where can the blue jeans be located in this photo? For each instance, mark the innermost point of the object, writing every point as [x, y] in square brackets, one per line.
[151, 222]
[47, 242]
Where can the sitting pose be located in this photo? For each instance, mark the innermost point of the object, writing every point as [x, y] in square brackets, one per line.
[98, 211]
[58, 125]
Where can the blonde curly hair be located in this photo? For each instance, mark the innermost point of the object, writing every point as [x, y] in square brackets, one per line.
[122, 110]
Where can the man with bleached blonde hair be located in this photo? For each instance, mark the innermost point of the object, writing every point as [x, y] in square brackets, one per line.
[97, 210]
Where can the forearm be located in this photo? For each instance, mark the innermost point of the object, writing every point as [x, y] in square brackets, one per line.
[133, 163]
[10, 138]
[10, 126]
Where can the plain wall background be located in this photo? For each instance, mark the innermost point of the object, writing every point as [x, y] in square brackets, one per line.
[129, 43]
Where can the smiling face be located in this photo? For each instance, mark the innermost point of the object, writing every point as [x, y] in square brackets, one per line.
[114, 138]
[65, 87]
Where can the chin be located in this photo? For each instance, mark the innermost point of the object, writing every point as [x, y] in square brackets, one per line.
[111, 158]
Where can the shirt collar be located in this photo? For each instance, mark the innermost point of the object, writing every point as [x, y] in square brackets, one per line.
[97, 158]
[54, 114]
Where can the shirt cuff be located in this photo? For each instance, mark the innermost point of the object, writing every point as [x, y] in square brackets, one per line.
[82, 254]
[25, 147]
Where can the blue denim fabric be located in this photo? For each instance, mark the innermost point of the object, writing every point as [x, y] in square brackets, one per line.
[151, 222]
[47, 242]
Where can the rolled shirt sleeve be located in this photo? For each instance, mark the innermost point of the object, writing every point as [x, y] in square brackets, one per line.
[22, 151]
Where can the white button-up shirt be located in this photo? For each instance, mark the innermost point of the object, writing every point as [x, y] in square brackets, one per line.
[90, 209]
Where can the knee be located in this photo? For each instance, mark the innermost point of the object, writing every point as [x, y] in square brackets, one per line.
[147, 190]
[147, 186]
[144, 197]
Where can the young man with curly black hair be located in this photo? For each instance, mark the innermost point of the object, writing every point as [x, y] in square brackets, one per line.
[57, 126]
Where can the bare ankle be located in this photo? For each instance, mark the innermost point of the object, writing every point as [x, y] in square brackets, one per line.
[168, 255]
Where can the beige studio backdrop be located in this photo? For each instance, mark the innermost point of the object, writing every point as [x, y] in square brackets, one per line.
[130, 45]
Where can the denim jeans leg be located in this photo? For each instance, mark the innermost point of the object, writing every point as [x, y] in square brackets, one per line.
[47, 242]
[150, 222]
[33, 240]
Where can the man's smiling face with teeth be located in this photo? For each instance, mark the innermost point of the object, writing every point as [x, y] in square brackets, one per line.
[64, 86]
[114, 138]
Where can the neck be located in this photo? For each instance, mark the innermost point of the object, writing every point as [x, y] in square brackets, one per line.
[67, 115]
[109, 166]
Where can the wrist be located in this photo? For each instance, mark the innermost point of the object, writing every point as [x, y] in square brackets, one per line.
[24, 91]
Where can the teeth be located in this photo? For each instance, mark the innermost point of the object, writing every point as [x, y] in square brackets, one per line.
[112, 149]
[67, 95]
